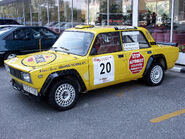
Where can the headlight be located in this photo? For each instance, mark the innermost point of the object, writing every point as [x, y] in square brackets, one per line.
[7, 68]
[26, 77]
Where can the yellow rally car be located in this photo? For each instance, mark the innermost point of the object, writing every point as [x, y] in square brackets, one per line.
[86, 58]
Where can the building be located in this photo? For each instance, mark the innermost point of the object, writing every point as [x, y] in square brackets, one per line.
[165, 19]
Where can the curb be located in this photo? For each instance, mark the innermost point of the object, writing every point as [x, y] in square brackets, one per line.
[178, 69]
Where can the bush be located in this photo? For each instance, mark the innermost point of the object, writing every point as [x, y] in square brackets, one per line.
[182, 48]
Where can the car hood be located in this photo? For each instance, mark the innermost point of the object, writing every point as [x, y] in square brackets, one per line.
[41, 59]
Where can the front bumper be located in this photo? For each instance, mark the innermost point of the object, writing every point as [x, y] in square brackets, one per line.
[20, 87]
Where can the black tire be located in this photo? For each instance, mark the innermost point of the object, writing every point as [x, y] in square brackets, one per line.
[154, 75]
[63, 95]
[9, 54]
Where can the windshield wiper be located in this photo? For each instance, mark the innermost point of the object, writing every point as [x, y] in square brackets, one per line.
[61, 49]
[64, 48]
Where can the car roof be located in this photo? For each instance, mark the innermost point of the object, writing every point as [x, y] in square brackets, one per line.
[101, 29]
[11, 25]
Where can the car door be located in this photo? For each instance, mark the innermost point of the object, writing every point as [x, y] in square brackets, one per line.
[20, 40]
[46, 37]
[137, 52]
[106, 60]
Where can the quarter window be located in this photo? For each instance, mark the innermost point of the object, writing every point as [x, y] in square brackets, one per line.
[133, 40]
[107, 43]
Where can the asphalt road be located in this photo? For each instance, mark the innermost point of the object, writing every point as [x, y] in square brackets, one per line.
[122, 111]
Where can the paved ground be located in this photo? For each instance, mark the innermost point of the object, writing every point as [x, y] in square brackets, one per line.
[122, 111]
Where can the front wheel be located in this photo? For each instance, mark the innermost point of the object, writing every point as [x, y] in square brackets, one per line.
[155, 75]
[63, 94]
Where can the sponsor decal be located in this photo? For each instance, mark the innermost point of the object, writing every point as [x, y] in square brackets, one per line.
[132, 33]
[47, 56]
[86, 75]
[71, 65]
[136, 62]
[103, 69]
[39, 59]
[30, 59]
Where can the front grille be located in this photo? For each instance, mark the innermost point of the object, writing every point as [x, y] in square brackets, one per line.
[15, 72]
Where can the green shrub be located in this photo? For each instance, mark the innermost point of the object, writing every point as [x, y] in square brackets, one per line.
[182, 48]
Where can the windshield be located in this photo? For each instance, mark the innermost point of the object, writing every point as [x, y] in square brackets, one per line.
[74, 42]
[4, 30]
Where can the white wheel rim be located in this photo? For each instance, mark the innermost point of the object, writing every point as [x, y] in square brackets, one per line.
[11, 56]
[65, 95]
[156, 74]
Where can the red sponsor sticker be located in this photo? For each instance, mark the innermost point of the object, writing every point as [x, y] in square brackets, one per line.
[48, 56]
[30, 59]
[136, 62]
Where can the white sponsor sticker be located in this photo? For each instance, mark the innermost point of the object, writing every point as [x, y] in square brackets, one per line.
[130, 33]
[103, 69]
[131, 46]
[30, 90]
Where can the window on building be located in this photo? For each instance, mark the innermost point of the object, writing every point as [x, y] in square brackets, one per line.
[120, 12]
[179, 23]
[155, 16]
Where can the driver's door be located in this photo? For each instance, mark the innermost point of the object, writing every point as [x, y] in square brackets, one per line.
[106, 61]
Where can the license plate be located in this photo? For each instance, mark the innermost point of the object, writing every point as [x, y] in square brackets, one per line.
[30, 90]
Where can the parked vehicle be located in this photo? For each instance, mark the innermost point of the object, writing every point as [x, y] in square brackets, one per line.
[56, 27]
[86, 58]
[17, 40]
[8, 22]
[9, 26]
[50, 24]
[63, 26]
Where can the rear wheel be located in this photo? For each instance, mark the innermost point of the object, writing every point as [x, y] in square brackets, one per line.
[155, 75]
[63, 94]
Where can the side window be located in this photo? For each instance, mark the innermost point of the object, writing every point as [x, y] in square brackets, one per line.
[22, 34]
[106, 43]
[133, 40]
[36, 34]
[42, 33]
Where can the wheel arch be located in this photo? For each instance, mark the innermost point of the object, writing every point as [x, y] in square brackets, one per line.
[71, 74]
[159, 58]
[9, 52]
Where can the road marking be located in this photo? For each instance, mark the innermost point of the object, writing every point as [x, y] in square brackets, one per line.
[119, 94]
[167, 116]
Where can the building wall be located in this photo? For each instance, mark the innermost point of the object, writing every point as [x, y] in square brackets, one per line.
[45, 12]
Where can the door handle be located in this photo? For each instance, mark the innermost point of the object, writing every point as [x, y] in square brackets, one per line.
[149, 52]
[120, 56]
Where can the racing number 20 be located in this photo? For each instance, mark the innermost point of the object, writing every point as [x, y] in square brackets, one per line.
[105, 67]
